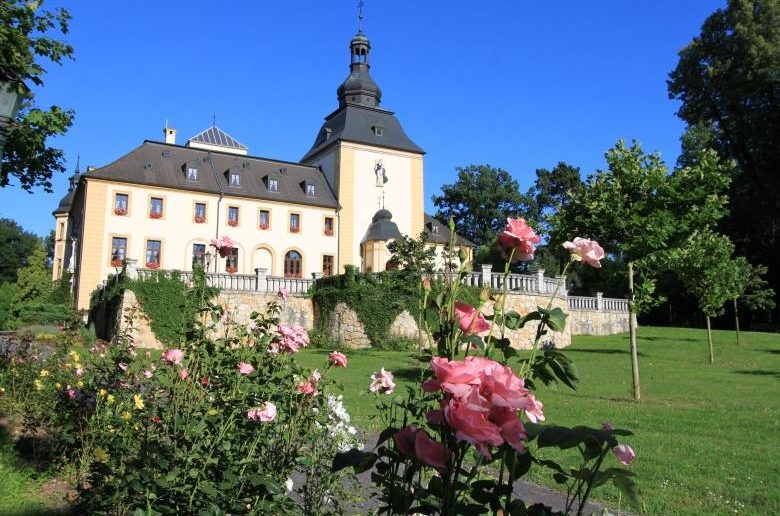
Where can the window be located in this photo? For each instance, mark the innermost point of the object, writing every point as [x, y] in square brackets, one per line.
[235, 179]
[327, 265]
[231, 261]
[378, 130]
[156, 208]
[233, 216]
[118, 251]
[292, 264]
[200, 212]
[265, 219]
[120, 204]
[435, 229]
[273, 185]
[310, 190]
[62, 230]
[153, 248]
[198, 255]
[295, 223]
[192, 174]
[329, 226]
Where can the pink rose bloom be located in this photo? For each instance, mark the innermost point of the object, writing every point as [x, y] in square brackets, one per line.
[625, 455]
[504, 389]
[148, 373]
[315, 377]
[184, 373]
[283, 293]
[510, 426]
[586, 250]
[518, 236]
[79, 371]
[221, 242]
[404, 440]
[71, 392]
[307, 388]
[273, 348]
[533, 410]
[245, 368]
[173, 356]
[432, 453]
[122, 366]
[470, 319]
[293, 338]
[338, 359]
[264, 413]
[382, 381]
[472, 426]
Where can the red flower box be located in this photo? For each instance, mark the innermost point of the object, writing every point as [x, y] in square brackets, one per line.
[328, 232]
[155, 215]
[232, 270]
[232, 223]
[264, 226]
[294, 229]
[120, 211]
[153, 265]
[116, 262]
[199, 219]
[294, 276]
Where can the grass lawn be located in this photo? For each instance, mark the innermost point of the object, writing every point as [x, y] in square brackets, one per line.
[707, 436]
[18, 489]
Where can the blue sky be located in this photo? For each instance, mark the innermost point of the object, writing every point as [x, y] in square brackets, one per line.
[517, 85]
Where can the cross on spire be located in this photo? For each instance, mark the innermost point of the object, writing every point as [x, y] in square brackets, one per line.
[360, 5]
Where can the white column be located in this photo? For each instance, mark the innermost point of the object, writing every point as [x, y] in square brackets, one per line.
[599, 301]
[487, 273]
[261, 283]
[540, 281]
[131, 268]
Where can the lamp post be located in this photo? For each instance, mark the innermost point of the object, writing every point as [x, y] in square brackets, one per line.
[12, 93]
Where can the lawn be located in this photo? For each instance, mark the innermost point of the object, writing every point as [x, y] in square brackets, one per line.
[707, 436]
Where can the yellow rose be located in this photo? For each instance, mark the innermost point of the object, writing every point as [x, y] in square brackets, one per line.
[44, 373]
[126, 415]
[139, 403]
[102, 392]
[110, 399]
[38, 384]
[80, 383]
[100, 455]
[58, 386]
[212, 412]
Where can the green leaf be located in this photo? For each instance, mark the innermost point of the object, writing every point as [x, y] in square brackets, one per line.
[556, 319]
[359, 460]
[628, 486]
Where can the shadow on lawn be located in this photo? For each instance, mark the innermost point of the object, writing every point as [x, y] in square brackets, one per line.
[760, 372]
[772, 351]
[667, 339]
[602, 351]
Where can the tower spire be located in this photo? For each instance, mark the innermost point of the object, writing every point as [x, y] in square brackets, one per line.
[360, 5]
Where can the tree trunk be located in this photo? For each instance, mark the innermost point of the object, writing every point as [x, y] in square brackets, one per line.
[632, 333]
[736, 319]
[709, 340]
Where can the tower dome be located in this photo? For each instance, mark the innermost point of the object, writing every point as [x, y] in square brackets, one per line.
[359, 88]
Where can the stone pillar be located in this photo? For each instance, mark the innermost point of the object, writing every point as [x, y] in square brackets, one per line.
[487, 273]
[317, 275]
[261, 284]
[131, 268]
[563, 290]
[540, 281]
[599, 301]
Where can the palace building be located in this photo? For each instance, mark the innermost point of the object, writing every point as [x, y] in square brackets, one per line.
[162, 203]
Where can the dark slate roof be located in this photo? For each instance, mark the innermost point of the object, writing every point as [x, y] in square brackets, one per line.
[354, 123]
[162, 164]
[216, 136]
[443, 235]
[381, 227]
[65, 203]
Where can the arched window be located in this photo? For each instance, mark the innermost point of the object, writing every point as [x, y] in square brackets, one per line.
[292, 264]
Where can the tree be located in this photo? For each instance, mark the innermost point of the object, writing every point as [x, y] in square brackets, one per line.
[24, 41]
[16, 245]
[636, 210]
[747, 283]
[705, 267]
[728, 82]
[550, 192]
[479, 202]
[413, 254]
[34, 281]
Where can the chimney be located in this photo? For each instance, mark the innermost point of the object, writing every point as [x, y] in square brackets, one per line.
[170, 135]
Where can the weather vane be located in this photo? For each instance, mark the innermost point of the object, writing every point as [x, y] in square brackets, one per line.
[361, 3]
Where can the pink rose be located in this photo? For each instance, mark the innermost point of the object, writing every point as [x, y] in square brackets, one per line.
[533, 410]
[71, 392]
[338, 359]
[293, 338]
[470, 319]
[586, 250]
[173, 356]
[518, 236]
[264, 413]
[382, 381]
[184, 373]
[511, 428]
[283, 293]
[472, 426]
[148, 373]
[79, 371]
[625, 455]
[307, 388]
[432, 453]
[245, 368]
[504, 389]
[315, 377]
[122, 366]
[404, 440]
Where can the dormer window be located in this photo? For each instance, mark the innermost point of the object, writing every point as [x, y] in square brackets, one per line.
[310, 190]
[235, 179]
[273, 184]
[435, 229]
[378, 130]
[192, 173]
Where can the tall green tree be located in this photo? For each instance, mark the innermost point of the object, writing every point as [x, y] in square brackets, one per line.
[479, 202]
[413, 254]
[636, 210]
[728, 82]
[16, 245]
[25, 44]
[34, 282]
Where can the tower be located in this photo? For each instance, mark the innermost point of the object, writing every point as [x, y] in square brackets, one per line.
[369, 161]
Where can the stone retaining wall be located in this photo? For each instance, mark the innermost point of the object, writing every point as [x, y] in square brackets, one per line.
[343, 323]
